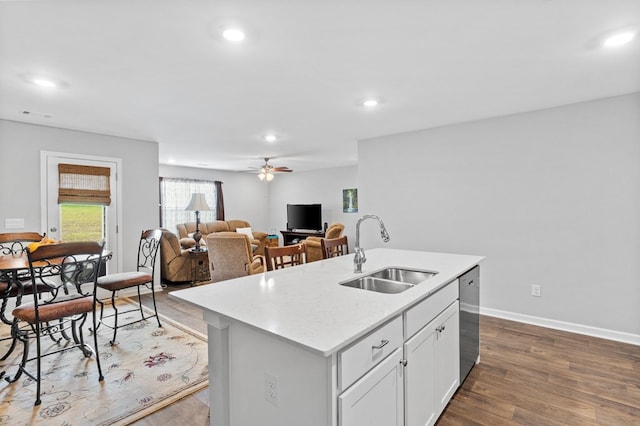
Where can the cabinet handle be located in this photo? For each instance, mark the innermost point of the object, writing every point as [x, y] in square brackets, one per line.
[383, 343]
[403, 362]
[440, 329]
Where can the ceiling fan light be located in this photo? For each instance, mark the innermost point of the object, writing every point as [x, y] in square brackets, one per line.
[269, 177]
[261, 176]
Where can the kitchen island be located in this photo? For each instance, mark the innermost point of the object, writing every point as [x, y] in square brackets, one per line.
[294, 346]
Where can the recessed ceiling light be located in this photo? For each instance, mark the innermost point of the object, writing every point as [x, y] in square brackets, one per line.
[233, 34]
[43, 82]
[270, 137]
[619, 39]
[370, 103]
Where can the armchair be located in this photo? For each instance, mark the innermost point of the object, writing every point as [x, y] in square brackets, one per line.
[231, 256]
[175, 264]
[314, 248]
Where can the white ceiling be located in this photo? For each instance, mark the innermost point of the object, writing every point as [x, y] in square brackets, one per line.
[158, 70]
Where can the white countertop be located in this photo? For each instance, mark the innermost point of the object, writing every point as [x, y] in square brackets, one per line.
[306, 306]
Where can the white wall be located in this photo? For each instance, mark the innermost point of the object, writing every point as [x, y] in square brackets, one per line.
[320, 186]
[20, 176]
[550, 197]
[245, 197]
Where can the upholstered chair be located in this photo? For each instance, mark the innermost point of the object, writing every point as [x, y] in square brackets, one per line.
[231, 256]
[175, 264]
[314, 248]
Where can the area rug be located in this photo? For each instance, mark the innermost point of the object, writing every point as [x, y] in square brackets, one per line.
[148, 369]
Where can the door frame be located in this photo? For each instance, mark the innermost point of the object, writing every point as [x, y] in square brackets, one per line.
[44, 196]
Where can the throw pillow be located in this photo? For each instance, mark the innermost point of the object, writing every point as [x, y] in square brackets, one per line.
[246, 231]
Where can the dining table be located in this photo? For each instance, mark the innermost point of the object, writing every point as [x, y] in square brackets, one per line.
[15, 272]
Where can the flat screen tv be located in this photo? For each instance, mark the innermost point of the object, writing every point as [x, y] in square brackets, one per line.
[304, 217]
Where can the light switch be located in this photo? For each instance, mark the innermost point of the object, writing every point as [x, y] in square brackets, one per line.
[14, 223]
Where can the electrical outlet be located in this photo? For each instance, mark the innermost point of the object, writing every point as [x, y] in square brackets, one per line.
[271, 388]
[536, 290]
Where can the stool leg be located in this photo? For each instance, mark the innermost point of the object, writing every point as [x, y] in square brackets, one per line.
[115, 317]
[95, 345]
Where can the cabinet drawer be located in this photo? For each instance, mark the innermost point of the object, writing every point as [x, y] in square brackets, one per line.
[425, 311]
[363, 355]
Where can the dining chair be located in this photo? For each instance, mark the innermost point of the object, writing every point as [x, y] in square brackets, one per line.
[15, 282]
[285, 256]
[314, 247]
[333, 247]
[75, 268]
[13, 244]
[141, 277]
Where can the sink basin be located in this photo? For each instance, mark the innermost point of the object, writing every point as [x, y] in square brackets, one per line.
[378, 284]
[408, 276]
[390, 280]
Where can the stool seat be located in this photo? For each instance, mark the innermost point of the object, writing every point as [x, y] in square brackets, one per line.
[66, 308]
[118, 281]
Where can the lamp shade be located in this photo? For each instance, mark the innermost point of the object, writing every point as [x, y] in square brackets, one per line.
[198, 203]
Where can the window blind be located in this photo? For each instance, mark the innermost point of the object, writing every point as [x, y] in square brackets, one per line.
[83, 184]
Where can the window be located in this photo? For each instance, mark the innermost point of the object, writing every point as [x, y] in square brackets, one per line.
[175, 195]
[82, 222]
[83, 195]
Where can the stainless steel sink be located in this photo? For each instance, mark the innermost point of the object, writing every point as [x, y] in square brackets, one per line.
[408, 276]
[377, 284]
[390, 280]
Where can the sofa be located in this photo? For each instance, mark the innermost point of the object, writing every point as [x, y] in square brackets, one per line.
[186, 230]
[314, 249]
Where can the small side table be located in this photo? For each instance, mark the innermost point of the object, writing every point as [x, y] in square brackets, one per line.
[272, 241]
[199, 266]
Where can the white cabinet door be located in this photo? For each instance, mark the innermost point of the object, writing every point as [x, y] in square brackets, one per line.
[447, 356]
[377, 398]
[420, 377]
[431, 375]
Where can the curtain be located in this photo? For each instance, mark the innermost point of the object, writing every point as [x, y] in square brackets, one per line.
[83, 184]
[175, 194]
[219, 201]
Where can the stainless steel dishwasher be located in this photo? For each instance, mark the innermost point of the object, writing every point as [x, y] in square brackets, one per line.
[469, 320]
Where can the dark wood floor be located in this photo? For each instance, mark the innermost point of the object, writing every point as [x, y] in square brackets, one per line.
[528, 375]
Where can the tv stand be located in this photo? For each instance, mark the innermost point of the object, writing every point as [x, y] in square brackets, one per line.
[294, 237]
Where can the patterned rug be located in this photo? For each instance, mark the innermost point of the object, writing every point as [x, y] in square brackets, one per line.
[150, 368]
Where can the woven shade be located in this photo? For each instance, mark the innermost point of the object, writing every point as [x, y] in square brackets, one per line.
[83, 184]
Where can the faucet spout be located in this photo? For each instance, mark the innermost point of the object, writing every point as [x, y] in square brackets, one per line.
[360, 257]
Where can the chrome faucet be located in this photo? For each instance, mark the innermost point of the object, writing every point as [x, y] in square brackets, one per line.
[360, 257]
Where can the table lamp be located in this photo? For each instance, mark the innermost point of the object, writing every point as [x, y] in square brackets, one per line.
[198, 204]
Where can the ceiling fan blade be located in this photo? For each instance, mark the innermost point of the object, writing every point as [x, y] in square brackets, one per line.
[282, 169]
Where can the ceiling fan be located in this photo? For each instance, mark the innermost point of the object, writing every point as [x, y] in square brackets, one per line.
[266, 172]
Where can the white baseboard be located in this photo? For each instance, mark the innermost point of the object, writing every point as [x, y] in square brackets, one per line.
[603, 333]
